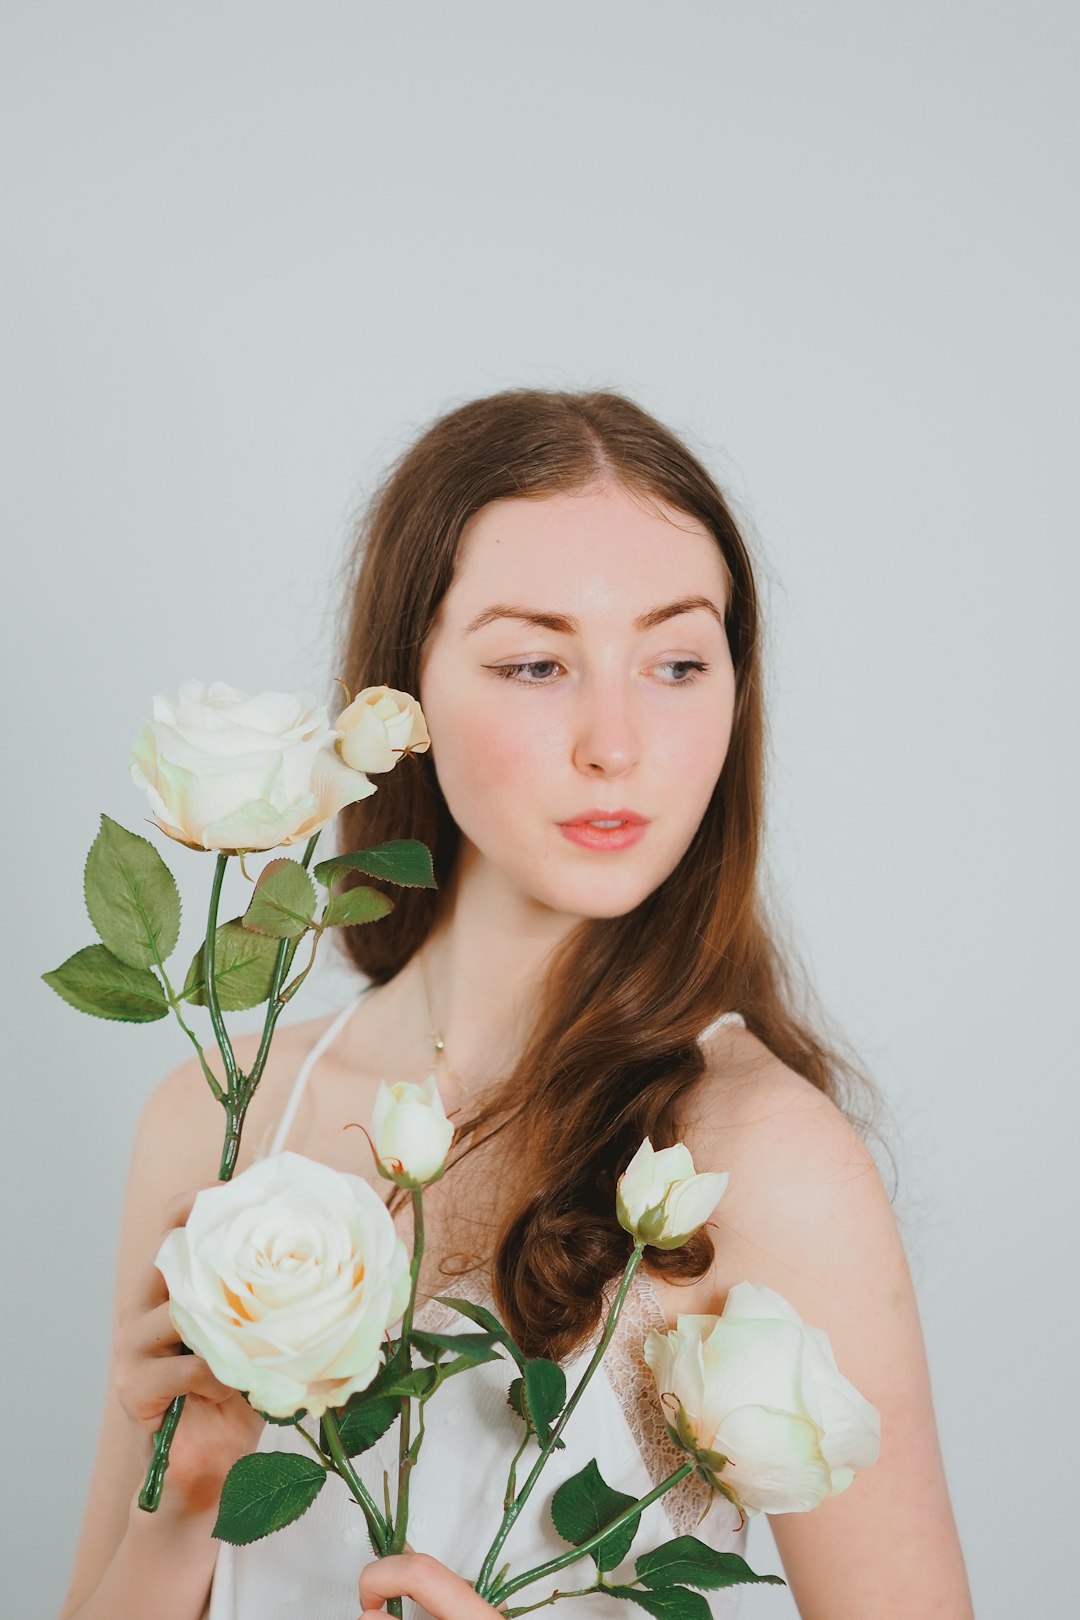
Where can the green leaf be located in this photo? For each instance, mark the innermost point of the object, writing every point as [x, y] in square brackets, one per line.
[485, 1319]
[669, 1603]
[405, 861]
[583, 1504]
[361, 1425]
[545, 1394]
[421, 1381]
[359, 905]
[691, 1562]
[243, 967]
[131, 896]
[394, 1364]
[97, 982]
[474, 1347]
[264, 1492]
[283, 902]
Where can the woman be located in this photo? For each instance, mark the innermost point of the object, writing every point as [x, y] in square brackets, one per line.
[563, 586]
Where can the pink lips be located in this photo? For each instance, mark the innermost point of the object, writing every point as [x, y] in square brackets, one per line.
[598, 813]
[602, 837]
[580, 832]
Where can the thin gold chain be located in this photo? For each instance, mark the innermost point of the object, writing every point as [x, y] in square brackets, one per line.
[438, 1044]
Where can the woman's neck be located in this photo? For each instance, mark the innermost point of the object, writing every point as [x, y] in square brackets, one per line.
[483, 964]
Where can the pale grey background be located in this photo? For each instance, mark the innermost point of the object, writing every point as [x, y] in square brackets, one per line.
[252, 249]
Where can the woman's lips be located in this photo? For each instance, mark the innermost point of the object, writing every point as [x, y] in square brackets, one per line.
[602, 837]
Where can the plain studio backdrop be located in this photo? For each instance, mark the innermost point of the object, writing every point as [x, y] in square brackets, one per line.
[252, 249]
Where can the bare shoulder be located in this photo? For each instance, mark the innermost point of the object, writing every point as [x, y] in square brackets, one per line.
[181, 1116]
[805, 1207]
[758, 1112]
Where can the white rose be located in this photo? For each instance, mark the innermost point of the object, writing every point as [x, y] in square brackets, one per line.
[379, 727]
[410, 1132]
[286, 1280]
[756, 1397]
[230, 772]
[661, 1200]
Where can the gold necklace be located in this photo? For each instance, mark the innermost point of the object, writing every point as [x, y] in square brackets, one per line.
[437, 1041]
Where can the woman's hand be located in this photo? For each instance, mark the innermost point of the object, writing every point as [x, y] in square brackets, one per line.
[217, 1426]
[419, 1576]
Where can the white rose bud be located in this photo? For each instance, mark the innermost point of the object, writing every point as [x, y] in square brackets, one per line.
[410, 1133]
[229, 772]
[755, 1396]
[379, 727]
[286, 1280]
[661, 1200]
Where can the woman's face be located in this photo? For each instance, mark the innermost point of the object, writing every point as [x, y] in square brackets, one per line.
[610, 714]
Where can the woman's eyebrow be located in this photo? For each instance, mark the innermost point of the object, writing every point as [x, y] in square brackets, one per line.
[564, 624]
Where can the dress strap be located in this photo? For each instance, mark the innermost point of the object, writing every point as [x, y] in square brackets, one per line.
[333, 1028]
[717, 1023]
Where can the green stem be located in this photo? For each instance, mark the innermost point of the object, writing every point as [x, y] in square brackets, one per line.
[377, 1529]
[503, 1591]
[317, 931]
[405, 1459]
[150, 1495]
[553, 1597]
[232, 1071]
[174, 1002]
[522, 1497]
[326, 1461]
[275, 1006]
[511, 1478]
[235, 1112]
[210, 1077]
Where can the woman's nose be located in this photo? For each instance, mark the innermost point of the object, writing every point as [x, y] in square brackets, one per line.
[606, 734]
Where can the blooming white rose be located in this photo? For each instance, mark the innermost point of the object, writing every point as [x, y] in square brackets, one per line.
[230, 772]
[661, 1200]
[285, 1280]
[378, 727]
[756, 1397]
[410, 1132]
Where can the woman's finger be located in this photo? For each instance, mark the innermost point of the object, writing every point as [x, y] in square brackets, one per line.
[419, 1576]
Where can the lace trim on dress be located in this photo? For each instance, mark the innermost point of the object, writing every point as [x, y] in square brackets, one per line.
[630, 1376]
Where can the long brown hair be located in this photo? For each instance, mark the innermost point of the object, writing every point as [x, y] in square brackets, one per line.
[613, 1047]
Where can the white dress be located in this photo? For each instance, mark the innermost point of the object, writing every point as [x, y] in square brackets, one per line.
[310, 1569]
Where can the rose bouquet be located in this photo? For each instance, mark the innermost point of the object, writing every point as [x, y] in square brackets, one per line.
[236, 775]
[283, 1279]
[290, 1279]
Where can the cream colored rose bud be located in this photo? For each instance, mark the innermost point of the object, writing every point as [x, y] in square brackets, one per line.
[379, 727]
[410, 1133]
[756, 1398]
[661, 1200]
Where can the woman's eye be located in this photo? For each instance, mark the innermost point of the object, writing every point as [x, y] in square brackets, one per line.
[694, 665]
[512, 672]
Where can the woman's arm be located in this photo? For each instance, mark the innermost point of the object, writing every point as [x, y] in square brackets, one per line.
[160, 1567]
[129, 1563]
[806, 1213]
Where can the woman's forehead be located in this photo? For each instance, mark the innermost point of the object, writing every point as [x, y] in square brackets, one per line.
[607, 550]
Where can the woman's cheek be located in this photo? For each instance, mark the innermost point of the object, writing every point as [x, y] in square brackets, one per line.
[515, 754]
[485, 770]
